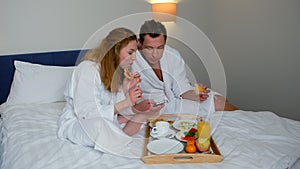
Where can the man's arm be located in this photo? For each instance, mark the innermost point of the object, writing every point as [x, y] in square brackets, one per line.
[221, 103]
[192, 95]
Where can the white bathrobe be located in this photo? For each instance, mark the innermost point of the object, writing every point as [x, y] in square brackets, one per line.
[174, 84]
[88, 118]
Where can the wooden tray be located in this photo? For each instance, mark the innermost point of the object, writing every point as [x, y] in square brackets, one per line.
[150, 158]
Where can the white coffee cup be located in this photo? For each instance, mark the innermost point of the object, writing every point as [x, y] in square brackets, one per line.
[161, 128]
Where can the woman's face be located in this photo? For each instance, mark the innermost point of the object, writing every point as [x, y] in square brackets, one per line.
[128, 54]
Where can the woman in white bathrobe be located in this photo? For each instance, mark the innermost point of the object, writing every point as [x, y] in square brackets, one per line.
[98, 92]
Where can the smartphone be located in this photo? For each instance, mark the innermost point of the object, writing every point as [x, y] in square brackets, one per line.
[161, 102]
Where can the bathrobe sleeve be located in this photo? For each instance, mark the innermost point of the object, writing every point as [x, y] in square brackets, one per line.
[176, 69]
[87, 86]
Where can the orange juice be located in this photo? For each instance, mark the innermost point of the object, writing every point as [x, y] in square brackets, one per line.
[199, 88]
[203, 129]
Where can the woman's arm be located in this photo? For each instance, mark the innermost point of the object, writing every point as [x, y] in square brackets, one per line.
[134, 124]
[134, 94]
[143, 110]
[124, 104]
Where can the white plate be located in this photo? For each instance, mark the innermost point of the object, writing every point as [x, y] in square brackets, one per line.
[185, 125]
[170, 134]
[179, 135]
[165, 146]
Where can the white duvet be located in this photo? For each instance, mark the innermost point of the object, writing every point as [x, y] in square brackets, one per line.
[254, 140]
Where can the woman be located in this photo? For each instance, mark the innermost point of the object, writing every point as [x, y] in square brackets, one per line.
[98, 93]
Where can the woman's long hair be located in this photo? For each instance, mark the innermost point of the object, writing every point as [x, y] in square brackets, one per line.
[106, 55]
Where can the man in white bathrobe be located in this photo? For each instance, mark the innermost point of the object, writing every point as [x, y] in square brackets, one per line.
[164, 77]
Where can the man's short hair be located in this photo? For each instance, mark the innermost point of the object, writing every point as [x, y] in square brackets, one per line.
[153, 29]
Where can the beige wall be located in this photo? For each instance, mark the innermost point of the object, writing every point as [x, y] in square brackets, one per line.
[258, 41]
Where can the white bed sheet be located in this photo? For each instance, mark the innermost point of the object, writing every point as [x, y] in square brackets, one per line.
[246, 139]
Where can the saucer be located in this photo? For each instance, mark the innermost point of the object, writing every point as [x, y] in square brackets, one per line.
[170, 134]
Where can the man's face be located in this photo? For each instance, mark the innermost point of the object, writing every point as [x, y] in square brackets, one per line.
[152, 49]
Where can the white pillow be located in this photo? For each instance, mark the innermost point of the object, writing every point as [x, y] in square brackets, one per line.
[35, 83]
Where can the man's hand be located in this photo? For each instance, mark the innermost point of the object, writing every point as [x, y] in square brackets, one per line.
[204, 95]
[196, 96]
[202, 91]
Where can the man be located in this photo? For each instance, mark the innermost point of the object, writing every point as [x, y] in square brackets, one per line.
[164, 77]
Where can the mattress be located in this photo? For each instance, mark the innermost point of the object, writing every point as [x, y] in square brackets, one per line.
[247, 139]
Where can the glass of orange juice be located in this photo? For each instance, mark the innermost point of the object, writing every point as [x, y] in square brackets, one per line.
[199, 88]
[203, 129]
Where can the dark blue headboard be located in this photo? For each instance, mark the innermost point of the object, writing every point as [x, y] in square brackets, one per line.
[61, 58]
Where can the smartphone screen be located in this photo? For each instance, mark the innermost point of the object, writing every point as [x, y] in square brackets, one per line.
[161, 102]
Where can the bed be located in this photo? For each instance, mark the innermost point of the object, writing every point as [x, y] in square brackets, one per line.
[29, 122]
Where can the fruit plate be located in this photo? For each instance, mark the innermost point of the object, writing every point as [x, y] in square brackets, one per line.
[179, 136]
[181, 157]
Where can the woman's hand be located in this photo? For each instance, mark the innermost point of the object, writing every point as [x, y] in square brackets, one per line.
[144, 111]
[129, 84]
[134, 95]
[132, 90]
[142, 107]
[147, 107]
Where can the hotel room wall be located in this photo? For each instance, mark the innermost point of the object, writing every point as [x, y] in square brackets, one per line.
[257, 41]
[39, 26]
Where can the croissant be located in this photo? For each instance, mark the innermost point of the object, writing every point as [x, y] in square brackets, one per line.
[128, 74]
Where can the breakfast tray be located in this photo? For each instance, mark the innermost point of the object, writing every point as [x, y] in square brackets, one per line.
[182, 157]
